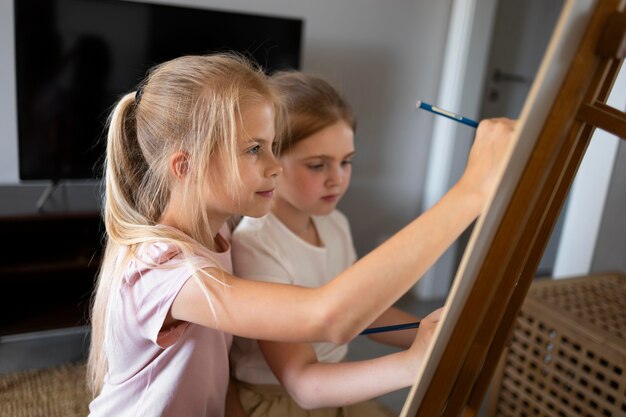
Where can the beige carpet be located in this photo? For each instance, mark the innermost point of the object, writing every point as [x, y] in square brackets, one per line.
[54, 392]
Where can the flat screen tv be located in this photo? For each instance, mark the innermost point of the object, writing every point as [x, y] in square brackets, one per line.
[75, 58]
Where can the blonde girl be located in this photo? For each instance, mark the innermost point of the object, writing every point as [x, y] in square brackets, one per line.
[189, 149]
[306, 241]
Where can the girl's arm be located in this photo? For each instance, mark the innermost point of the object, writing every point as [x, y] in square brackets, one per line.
[339, 310]
[342, 308]
[400, 338]
[313, 384]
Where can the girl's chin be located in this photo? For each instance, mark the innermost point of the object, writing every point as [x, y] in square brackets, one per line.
[324, 211]
[256, 215]
[257, 211]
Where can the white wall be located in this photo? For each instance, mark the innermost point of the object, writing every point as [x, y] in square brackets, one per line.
[8, 117]
[588, 200]
[383, 55]
[610, 250]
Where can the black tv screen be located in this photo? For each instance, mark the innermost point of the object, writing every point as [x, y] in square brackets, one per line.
[75, 58]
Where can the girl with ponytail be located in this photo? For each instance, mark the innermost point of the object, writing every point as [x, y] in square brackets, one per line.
[190, 149]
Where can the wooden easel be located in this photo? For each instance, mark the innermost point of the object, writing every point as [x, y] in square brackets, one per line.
[479, 337]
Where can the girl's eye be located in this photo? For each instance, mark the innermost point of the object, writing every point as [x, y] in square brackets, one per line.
[346, 162]
[255, 150]
[316, 167]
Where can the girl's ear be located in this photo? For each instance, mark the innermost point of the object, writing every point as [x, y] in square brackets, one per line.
[179, 165]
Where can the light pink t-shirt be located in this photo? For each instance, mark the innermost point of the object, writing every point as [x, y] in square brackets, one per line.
[178, 372]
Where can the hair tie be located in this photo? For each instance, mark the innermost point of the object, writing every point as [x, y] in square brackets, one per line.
[138, 94]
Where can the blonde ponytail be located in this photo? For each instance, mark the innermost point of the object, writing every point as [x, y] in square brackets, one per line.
[191, 104]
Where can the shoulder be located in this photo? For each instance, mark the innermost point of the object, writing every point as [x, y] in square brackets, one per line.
[336, 219]
[156, 271]
[259, 252]
[338, 216]
[250, 225]
[157, 253]
[256, 234]
[163, 259]
[250, 229]
[335, 230]
[264, 229]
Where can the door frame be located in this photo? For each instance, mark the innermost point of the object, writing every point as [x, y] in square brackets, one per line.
[460, 88]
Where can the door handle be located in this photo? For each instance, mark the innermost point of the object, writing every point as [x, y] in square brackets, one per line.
[501, 76]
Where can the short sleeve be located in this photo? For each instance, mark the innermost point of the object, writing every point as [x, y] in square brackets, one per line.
[150, 294]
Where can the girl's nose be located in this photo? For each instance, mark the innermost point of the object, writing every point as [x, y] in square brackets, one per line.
[335, 177]
[274, 168]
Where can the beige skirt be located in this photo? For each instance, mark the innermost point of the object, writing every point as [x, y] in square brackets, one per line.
[274, 401]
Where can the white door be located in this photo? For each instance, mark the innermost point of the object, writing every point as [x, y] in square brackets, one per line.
[522, 30]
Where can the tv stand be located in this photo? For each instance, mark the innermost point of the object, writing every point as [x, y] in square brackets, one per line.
[48, 269]
[47, 193]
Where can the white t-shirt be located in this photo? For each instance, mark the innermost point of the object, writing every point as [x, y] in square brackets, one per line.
[264, 249]
[180, 371]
